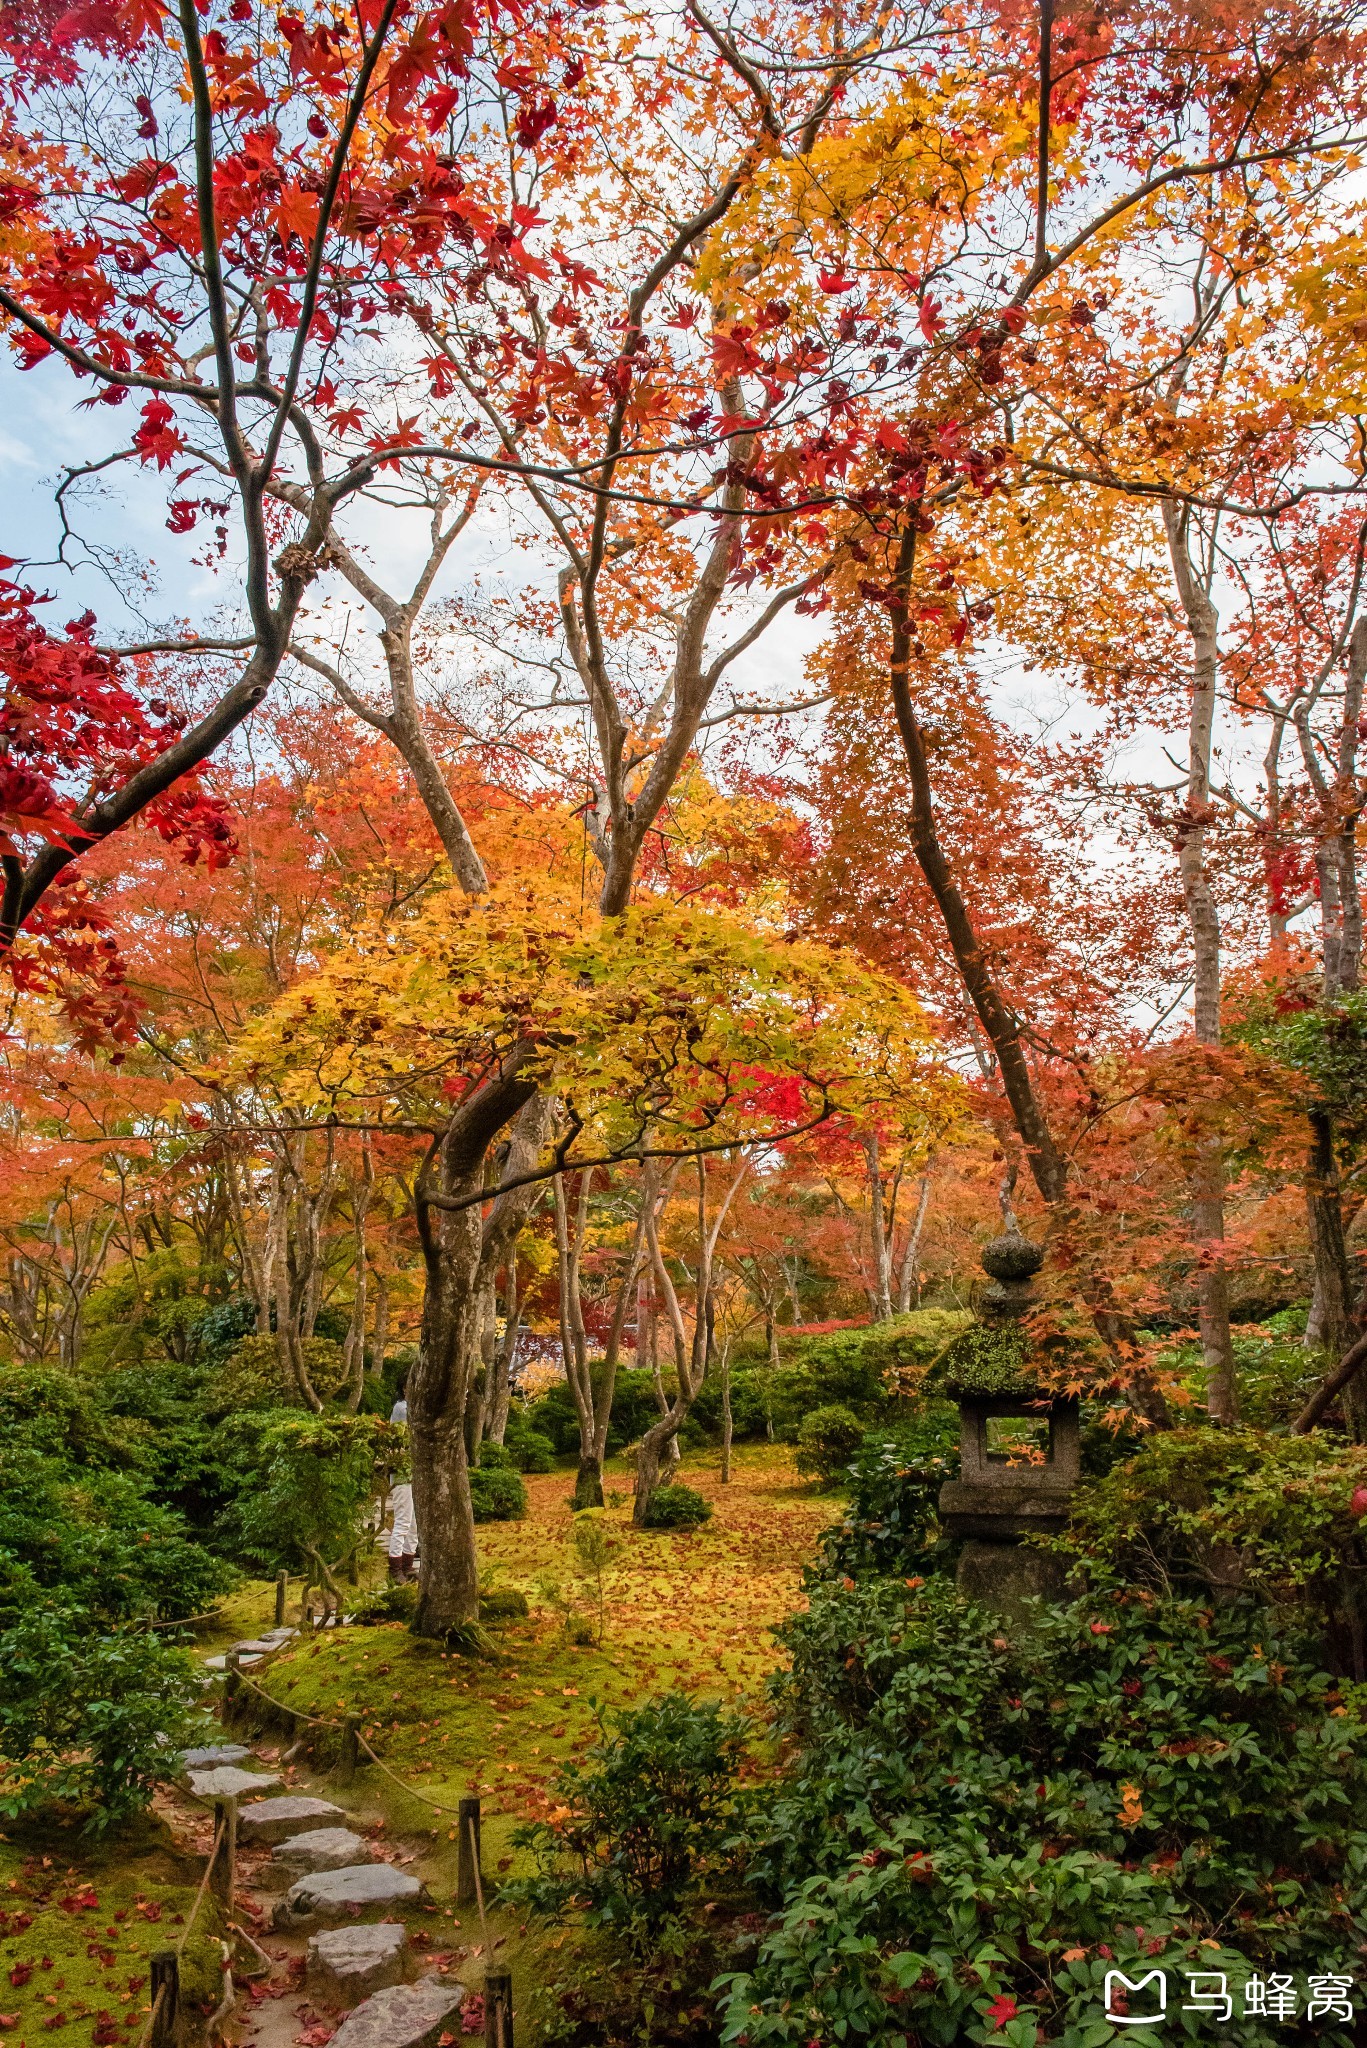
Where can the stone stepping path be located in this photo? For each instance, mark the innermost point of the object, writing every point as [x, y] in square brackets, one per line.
[356, 1960]
[405, 2016]
[322, 1849]
[252, 1649]
[345, 1964]
[270, 1821]
[337, 1895]
[228, 1782]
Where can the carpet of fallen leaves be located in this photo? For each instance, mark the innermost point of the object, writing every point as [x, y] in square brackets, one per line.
[78, 1922]
[694, 1610]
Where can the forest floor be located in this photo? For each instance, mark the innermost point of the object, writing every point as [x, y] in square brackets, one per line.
[691, 1610]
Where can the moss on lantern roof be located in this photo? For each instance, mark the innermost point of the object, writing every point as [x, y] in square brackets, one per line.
[987, 1359]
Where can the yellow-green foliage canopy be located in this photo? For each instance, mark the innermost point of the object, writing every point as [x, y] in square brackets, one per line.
[662, 1020]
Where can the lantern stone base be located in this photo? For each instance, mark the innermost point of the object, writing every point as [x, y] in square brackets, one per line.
[1005, 1576]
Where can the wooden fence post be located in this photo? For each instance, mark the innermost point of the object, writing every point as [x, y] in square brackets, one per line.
[223, 1868]
[498, 2009]
[164, 1982]
[351, 1748]
[281, 1586]
[467, 1852]
[232, 1683]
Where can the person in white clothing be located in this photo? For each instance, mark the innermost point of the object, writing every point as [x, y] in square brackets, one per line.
[403, 1531]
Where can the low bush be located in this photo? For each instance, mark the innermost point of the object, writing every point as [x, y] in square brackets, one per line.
[1227, 1511]
[891, 1523]
[93, 1539]
[642, 1856]
[983, 1818]
[826, 1441]
[396, 1600]
[497, 1494]
[308, 1483]
[643, 1824]
[676, 1507]
[528, 1449]
[89, 1719]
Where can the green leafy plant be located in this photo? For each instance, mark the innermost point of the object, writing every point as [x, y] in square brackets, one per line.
[92, 1538]
[527, 1448]
[317, 1477]
[89, 1719]
[891, 1523]
[826, 1441]
[645, 1828]
[982, 1819]
[1234, 1510]
[593, 1546]
[677, 1507]
[392, 1601]
[497, 1494]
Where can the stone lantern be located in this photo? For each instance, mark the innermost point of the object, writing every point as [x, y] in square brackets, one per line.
[1019, 1446]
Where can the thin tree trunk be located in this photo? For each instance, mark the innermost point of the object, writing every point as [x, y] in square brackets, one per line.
[726, 1424]
[878, 1231]
[1208, 1175]
[908, 1279]
[501, 1383]
[691, 1360]
[380, 1339]
[1047, 1164]
[354, 1354]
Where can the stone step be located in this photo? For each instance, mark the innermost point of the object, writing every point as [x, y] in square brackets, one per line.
[227, 1782]
[210, 1759]
[319, 1849]
[275, 1820]
[332, 1896]
[345, 1964]
[246, 1663]
[405, 2016]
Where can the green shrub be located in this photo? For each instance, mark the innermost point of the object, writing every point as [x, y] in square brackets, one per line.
[251, 1376]
[529, 1450]
[310, 1480]
[642, 1857]
[497, 1494]
[676, 1507]
[891, 1523]
[94, 1539]
[648, 1821]
[495, 1457]
[982, 1819]
[826, 1441]
[1232, 1510]
[88, 1719]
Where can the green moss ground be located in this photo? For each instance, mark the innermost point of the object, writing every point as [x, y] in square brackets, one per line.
[694, 1610]
[79, 1920]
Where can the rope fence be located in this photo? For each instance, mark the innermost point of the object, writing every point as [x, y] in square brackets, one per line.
[349, 1726]
[160, 2029]
[498, 1988]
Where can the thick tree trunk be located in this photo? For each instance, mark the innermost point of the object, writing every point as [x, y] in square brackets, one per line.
[1208, 1176]
[461, 1250]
